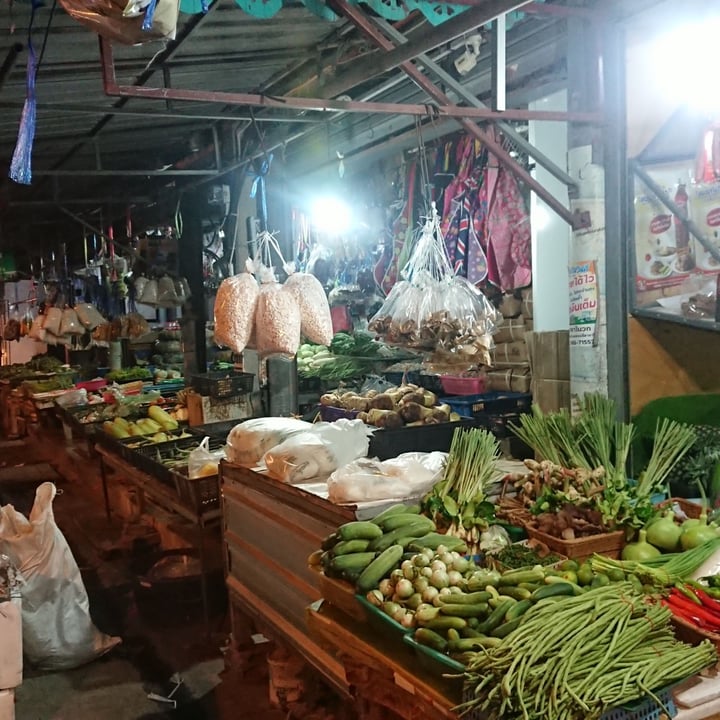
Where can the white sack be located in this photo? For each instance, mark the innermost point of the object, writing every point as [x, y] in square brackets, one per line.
[58, 633]
[319, 451]
[250, 440]
[407, 475]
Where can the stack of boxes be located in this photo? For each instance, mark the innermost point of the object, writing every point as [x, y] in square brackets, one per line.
[11, 662]
[550, 365]
[510, 370]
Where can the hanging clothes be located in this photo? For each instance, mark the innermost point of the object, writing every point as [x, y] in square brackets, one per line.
[508, 232]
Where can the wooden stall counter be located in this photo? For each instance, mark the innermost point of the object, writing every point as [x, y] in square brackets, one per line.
[385, 679]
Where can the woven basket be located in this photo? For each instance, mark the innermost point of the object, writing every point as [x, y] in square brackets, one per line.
[608, 544]
[691, 634]
[691, 509]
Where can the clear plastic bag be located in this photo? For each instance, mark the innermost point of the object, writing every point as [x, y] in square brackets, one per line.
[318, 452]
[250, 440]
[37, 331]
[202, 462]
[89, 316]
[149, 295]
[70, 325]
[277, 321]
[315, 319]
[53, 318]
[167, 297]
[156, 21]
[366, 480]
[235, 308]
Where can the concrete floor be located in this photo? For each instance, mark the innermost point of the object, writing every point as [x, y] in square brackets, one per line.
[116, 687]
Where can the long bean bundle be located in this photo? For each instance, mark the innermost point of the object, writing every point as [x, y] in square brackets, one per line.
[575, 658]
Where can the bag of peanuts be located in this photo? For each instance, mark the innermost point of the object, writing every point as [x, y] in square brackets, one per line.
[277, 321]
[235, 307]
[315, 319]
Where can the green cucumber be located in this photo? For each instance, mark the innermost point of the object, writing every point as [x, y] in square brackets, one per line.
[553, 590]
[466, 598]
[413, 509]
[506, 628]
[431, 639]
[496, 617]
[446, 622]
[359, 530]
[388, 512]
[353, 562]
[396, 521]
[416, 529]
[464, 610]
[518, 610]
[344, 547]
[468, 632]
[517, 593]
[329, 541]
[515, 577]
[501, 600]
[474, 643]
[433, 540]
[379, 568]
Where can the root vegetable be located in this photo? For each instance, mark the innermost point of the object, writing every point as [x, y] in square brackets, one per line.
[384, 419]
[382, 402]
[412, 412]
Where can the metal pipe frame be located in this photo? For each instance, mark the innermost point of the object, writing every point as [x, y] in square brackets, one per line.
[364, 24]
[508, 130]
[445, 109]
[103, 172]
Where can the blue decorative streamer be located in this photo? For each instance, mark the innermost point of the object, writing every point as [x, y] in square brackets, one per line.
[21, 164]
[257, 190]
[147, 22]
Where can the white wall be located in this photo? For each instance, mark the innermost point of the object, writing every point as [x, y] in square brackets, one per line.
[550, 233]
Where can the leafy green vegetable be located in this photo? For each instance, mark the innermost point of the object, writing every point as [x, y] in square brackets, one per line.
[129, 375]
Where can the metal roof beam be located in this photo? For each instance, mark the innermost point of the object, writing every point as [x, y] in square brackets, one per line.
[427, 38]
[451, 83]
[365, 25]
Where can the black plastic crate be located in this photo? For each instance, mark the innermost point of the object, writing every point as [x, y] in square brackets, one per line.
[216, 430]
[198, 494]
[149, 458]
[223, 383]
[492, 403]
[400, 377]
[389, 443]
[431, 382]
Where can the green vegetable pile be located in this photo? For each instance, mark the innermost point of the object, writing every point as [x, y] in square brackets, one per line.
[577, 658]
[129, 375]
[39, 365]
[517, 556]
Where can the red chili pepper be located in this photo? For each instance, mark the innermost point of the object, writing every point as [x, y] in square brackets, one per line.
[713, 610]
[695, 611]
[707, 600]
[681, 613]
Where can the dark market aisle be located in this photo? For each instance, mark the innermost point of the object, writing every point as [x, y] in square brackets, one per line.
[116, 687]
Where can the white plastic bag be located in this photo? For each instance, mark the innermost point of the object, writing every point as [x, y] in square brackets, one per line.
[58, 633]
[405, 476]
[53, 318]
[70, 325]
[202, 462]
[318, 452]
[89, 316]
[250, 440]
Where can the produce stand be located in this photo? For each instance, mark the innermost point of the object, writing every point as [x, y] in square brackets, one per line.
[387, 680]
[157, 499]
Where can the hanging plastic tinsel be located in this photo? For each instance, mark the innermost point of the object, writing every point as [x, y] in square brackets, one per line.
[21, 165]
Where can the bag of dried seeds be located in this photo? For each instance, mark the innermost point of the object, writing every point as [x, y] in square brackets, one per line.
[235, 308]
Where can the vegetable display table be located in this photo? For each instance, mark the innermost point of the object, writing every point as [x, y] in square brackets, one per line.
[387, 681]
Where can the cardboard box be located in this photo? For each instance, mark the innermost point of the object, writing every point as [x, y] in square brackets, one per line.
[11, 657]
[203, 409]
[526, 307]
[549, 354]
[551, 395]
[508, 380]
[511, 355]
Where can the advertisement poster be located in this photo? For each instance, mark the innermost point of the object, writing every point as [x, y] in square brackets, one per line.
[584, 298]
[673, 271]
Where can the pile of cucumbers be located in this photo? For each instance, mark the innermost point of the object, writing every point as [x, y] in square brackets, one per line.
[363, 552]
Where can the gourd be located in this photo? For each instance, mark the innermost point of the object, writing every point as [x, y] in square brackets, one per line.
[664, 533]
[641, 550]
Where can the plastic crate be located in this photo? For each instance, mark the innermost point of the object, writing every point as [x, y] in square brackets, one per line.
[380, 620]
[223, 383]
[197, 494]
[492, 403]
[456, 385]
[328, 413]
[216, 431]
[644, 709]
[388, 443]
[431, 382]
[402, 377]
[434, 662]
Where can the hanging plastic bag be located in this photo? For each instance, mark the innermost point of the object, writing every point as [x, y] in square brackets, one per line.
[315, 319]
[235, 308]
[277, 321]
[37, 331]
[250, 440]
[53, 318]
[69, 324]
[89, 316]
[149, 294]
[407, 476]
[58, 633]
[105, 17]
[318, 452]
[167, 297]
